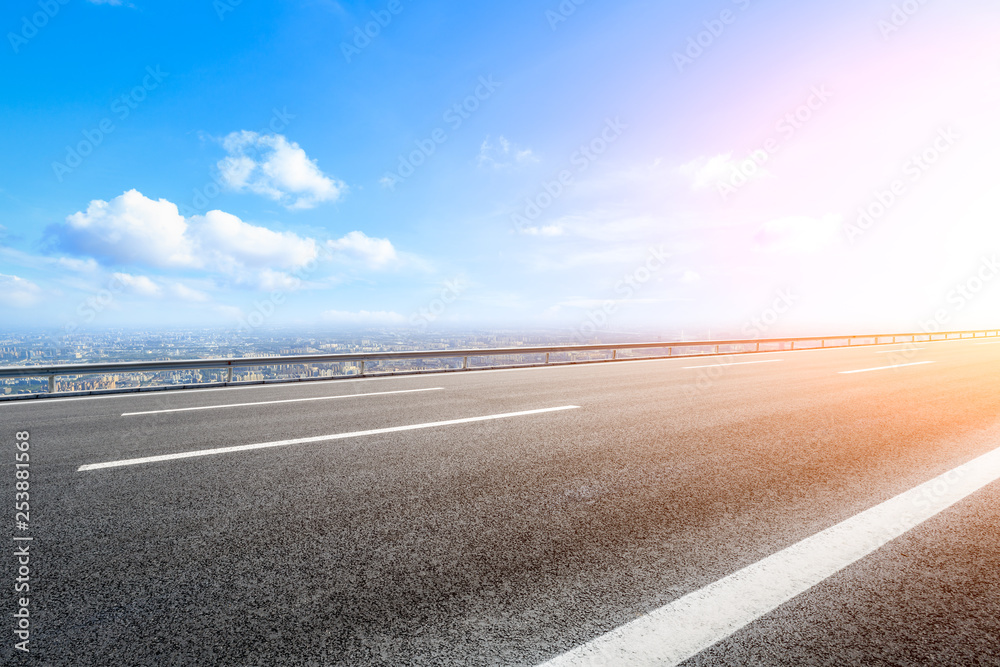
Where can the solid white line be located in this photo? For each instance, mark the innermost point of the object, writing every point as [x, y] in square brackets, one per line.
[680, 630]
[992, 342]
[287, 400]
[736, 363]
[907, 349]
[882, 368]
[317, 438]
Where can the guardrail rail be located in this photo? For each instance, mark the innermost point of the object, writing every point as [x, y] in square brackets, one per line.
[614, 353]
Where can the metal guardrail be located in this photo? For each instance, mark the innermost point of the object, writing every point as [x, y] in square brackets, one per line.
[229, 364]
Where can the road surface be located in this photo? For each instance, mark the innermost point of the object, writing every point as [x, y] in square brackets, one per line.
[518, 517]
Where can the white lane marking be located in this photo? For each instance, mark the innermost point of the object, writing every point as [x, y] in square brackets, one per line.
[882, 368]
[680, 630]
[287, 400]
[906, 349]
[736, 363]
[992, 342]
[317, 438]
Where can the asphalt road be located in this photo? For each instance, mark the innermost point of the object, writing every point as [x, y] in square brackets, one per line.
[508, 541]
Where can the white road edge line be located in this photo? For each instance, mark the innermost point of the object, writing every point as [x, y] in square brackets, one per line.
[882, 368]
[317, 438]
[680, 630]
[905, 349]
[736, 363]
[287, 400]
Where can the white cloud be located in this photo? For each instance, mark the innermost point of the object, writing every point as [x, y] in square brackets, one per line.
[503, 153]
[269, 279]
[18, 292]
[546, 230]
[185, 293]
[372, 252]
[57, 264]
[689, 277]
[88, 265]
[365, 317]
[133, 230]
[228, 242]
[141, 285]
[270, 165]
[706, 172]
[606, 226]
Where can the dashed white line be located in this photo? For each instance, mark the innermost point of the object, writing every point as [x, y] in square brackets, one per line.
[882, 368]
[287, 400]
[906, 349]
[736, 363]
[317, 438]
[680, 630]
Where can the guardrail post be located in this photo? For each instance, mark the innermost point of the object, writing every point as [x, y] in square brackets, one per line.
[793, 345]
[546, 357]
[614, 354]
[757, 349]
[229, 374]
[716, 349]
[822, 343]
[362, 367]
[465, 362]
[670, 351]
[52, 384]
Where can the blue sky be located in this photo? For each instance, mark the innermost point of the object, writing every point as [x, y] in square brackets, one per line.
[583, 167]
